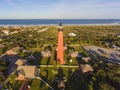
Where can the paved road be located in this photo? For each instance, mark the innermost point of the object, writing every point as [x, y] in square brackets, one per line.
[74, 45]
[64, 66]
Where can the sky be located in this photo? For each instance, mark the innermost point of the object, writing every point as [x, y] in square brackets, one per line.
[59, 9]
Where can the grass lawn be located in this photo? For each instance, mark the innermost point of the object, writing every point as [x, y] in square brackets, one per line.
[17, 85]
[36, 85]
[45, 61]
[49, 74]
[74, 62]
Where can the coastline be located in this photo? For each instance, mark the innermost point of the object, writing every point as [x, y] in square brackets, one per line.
[113, 24]
[55, 22]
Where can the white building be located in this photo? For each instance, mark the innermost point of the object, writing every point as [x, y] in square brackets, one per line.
[72, 34]
[6, 32]
[118, 36]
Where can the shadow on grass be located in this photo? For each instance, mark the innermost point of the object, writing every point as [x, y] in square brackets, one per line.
[48, 61]
[77, 81]
[42, 84]
[53, 84]
[79, 60]
[55, 55]
[30, 82]
[38, 58]
[17, 85]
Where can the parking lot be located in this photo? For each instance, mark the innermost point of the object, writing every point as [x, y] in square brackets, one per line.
[111, 55]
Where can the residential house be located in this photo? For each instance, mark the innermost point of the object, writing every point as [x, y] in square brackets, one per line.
[61, 85]
[72, 34]
[74, 54]
[29, 72]
[13, 51]
[14, 32]
[86, 59]
[118, 36]
[20, 62]
[46, 53]
[86, 68]
[5, 32]
[31, 57]
[2, 46]
[115, 47]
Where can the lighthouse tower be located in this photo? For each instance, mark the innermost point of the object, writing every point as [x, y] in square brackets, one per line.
[60, 48]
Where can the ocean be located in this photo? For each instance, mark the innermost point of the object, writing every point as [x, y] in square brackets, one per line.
[56, 21]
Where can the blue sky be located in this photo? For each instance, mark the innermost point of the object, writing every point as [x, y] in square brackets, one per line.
[59, 9]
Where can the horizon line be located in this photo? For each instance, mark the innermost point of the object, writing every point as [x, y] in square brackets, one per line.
[54, 18]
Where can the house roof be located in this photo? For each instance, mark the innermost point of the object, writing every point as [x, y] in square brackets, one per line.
[118, 35]
[1, 45]
[22, 72]
[61, 84]
[20, 62]
[86, 68]
[13, 51]
[71, 34]
[74, 54]
[27, 71]
[86, 59]
[46, 53]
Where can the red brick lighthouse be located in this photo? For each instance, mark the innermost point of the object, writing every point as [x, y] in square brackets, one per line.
[60, 48]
